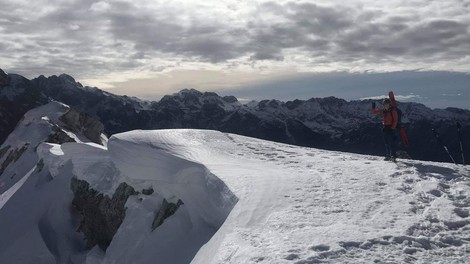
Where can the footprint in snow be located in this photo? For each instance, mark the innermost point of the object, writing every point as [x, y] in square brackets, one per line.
[436, 193]
[292, 256]
[463, 213]
[320, 248]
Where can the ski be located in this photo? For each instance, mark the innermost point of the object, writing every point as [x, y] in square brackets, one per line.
[459, 126]
[442, 143]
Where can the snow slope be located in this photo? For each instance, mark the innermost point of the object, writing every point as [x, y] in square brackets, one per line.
[36, 126]
[245, 201]
[306, 205]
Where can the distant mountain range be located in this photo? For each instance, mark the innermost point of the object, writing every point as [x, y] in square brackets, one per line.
[328, 123]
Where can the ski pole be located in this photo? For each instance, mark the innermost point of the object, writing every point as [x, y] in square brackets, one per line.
[442, 143]
[459, 126]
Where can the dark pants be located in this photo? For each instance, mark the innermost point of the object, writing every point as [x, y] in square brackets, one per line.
[390, 140]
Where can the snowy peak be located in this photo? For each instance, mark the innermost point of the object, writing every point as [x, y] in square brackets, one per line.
[64, 80]
[54, 123]
[39, 124]
[328, 123]
[68, 78]
[17, 96]
[192, 99]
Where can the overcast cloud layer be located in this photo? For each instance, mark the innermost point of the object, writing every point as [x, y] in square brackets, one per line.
[109, 41]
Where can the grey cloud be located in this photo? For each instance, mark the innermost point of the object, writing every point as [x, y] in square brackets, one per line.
[162, 34]
[315, 19]
[125, 36]
[349, 35]
[309, 27]
[53, 47]
[438, 39]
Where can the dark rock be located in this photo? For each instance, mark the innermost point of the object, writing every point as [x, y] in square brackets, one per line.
[13, 156]
[4, 78]
[101, 216]
[82, 123]
[166, 210]
[230, 99]
[3, 151]
[67, 78]
[12, 109]
[40, 165]
[148, 191]
[58, 136]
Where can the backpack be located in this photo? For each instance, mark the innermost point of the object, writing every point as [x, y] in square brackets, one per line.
[402, 130]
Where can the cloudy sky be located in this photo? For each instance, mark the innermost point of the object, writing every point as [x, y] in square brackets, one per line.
[251, 48]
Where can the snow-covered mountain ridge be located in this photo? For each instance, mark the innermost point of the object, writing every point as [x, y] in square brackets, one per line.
[54, 123]
[243, 200]
[327, 123]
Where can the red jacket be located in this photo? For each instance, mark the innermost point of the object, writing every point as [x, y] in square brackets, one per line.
[390, 116]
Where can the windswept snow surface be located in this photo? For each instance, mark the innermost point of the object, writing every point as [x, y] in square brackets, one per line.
[301, 205]
[245, 201]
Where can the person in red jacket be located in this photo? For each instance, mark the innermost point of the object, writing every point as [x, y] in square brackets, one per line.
[390, 122]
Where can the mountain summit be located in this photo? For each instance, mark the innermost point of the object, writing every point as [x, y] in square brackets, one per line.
[328, 123]
[203, 196]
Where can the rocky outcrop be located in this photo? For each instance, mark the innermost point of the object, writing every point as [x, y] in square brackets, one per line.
[3, 151]
[166, 210]
[13, 156]
[101, 215]
[58, 136]
[4, 79]
[148, 191]
[82, 123]
[17, 96]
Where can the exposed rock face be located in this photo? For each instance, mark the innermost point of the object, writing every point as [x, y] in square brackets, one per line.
[4, 79]
[83, 123]
[108, 108]
[17, 96]
[13, 156]
[58, 136]
[166, 210]
[101, 216]
[148, 191]
[3, 151]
